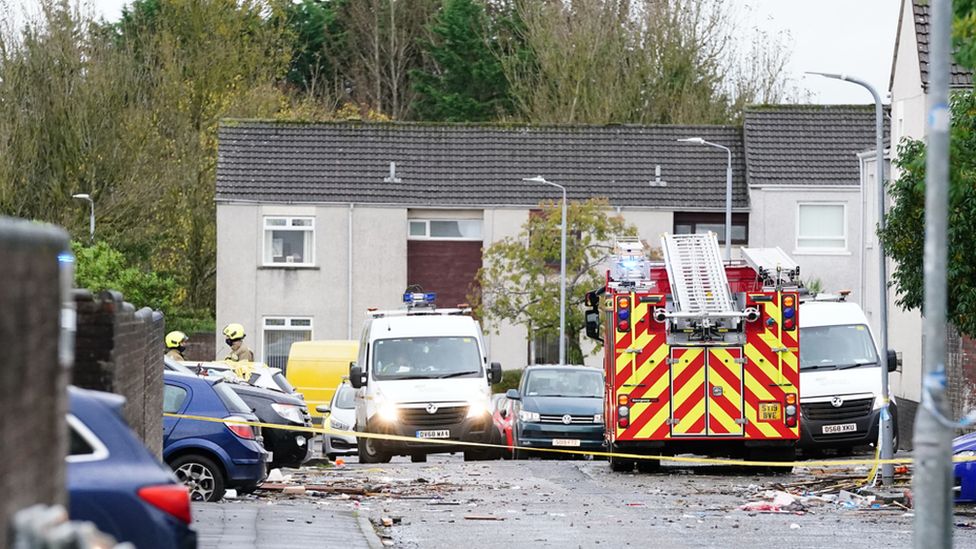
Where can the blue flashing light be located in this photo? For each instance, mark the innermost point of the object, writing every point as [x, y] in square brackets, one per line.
[430, 297]
[788, 312]
[623, 314]
[411, 298]
[66, 257]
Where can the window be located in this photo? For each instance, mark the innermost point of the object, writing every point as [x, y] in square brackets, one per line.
[279, 333]
[444, 229]
[821, 227]
[289, 241]
[173, 398]
[703, 222]
[83, 444]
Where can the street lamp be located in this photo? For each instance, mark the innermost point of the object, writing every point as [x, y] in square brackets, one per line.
[887, 429]
[562, 266]
[728, 191]
[91, 217]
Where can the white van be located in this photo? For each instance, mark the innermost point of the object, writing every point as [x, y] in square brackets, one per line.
[423, 372]
[840, 376]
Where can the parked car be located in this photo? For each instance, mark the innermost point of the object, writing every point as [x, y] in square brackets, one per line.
[289, 448]
[114, 482]
[209, 457]
[316, 369]
[558, 407]
[964, 472]
[254, 373]
[342, 417]
[502, 412]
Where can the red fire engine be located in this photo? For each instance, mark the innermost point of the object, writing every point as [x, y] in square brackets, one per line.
[701, 355]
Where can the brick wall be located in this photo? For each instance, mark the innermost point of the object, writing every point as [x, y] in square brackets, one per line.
[961, 372]
[202, 346]
[33, 399]
[118, 349]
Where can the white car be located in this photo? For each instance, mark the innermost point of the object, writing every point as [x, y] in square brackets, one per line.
[260, 375]
[342, 417]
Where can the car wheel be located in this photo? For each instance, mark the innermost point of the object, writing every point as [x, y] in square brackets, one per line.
[202, 477]
[369, 453]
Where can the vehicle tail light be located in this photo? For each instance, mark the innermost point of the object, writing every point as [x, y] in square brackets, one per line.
[623, 422]
[623, 414]
[791, 398]
[243, 431]
[173, 499]
[623, 400]
[791, 421]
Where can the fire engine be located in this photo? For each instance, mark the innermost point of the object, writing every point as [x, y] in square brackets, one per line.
[701, 355]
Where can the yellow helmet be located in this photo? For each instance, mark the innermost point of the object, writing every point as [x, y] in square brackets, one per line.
[175, 339]
[234, 331]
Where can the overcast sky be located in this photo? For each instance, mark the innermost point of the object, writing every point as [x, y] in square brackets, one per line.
[854, 37]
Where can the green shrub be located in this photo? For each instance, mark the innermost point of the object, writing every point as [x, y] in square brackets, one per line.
[510, 380]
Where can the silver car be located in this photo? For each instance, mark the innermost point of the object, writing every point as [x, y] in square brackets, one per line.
[342, 417]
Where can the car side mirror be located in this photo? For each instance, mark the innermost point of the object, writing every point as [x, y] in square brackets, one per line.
[513, 394]
[892, 360]
[496, 373]
[323, 409]
[593, 324]
[356, 378]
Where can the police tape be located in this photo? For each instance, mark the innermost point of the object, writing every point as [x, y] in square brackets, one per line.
[617, 455]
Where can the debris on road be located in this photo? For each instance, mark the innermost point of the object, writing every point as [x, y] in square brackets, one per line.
[483, 517]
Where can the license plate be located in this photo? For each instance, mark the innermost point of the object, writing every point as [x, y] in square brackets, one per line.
[566, 442]
[769, 411]
[440, 433]
[841, 428]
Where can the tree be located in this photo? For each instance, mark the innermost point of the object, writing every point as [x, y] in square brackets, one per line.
[466, 82]
[100, 267]
[318, 43]
[519, 281]
[904, 233]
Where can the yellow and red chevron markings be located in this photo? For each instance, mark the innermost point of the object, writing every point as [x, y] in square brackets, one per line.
[772, 370]
[725, 398]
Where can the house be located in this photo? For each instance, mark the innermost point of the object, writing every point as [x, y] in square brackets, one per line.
[317, 222]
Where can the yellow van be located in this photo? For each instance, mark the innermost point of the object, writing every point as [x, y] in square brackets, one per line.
[316, 369]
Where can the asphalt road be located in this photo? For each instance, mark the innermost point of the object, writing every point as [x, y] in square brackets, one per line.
[448, 503]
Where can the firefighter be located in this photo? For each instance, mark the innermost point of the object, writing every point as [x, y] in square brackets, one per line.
[176, 345]
[235, 340]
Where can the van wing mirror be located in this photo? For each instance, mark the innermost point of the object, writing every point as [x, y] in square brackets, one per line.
[356, 378]
[496, 373]
[513, 394]
[892, 360]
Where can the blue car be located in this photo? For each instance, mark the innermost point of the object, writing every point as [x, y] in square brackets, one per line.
[114, 482]
[210, 457]
[558, 407]
[964, 472]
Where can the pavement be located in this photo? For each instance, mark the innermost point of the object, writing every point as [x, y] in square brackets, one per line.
[449, 503]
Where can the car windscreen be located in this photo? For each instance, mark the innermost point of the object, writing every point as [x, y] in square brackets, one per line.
[231, 400]
[426, 358]
[281, 382]
[583, 382]
[836, 347]
[345, 397]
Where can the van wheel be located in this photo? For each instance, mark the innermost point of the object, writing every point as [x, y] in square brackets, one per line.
[369, 453]
[418, 458]
[477, 455]
[202, 477]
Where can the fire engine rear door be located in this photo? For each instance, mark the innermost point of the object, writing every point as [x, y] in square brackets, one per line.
[725, 391]
[688, 402]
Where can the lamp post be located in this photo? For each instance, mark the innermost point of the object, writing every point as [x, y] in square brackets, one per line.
[728, 190]
[887, 429]
[562, 266]
[91, 217]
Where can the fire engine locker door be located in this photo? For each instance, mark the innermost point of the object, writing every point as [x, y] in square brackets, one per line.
[688, 402]
[725, 392]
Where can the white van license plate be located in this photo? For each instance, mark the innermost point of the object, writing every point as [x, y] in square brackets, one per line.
[440, 433]
[574, 442]
[841, 428]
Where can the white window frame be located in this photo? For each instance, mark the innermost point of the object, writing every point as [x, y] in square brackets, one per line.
[843, 250]
[99, 451]
[309, 231]
[286, 327]
[426, 235]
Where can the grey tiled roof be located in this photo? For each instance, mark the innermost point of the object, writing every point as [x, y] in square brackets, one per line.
[465, 165]
[807, 144]
[959, 77]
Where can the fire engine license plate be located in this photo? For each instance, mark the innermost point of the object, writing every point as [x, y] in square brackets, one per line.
[566, 442]
[841, 428]
[440, 433]
[769, 411]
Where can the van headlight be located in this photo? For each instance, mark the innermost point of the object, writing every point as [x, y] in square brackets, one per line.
[477, 408]
[387, 412]
[525, 415]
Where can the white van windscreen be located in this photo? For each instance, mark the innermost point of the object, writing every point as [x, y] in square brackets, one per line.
[426, 358]
[836, 347]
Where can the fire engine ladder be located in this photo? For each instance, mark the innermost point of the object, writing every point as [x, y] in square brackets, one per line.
[699, 286]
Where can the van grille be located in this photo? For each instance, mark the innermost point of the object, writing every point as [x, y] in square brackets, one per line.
[443, 417]
[559, 419]
[825, 411]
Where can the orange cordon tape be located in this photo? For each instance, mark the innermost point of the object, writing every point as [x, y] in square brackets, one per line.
[681, 459]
